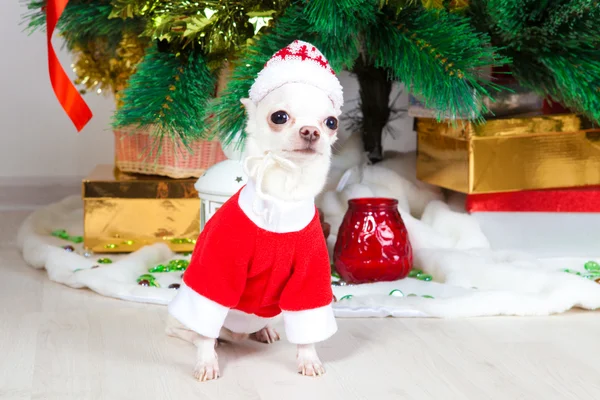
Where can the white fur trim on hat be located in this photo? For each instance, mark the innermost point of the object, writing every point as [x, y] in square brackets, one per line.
[300, 62]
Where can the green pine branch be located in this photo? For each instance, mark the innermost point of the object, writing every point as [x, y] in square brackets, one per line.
[554, 45]
[84, 21]
[226, 116]
[336, 24]
[169, 93]
[439, 56]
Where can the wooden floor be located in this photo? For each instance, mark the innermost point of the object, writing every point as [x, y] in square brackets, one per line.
[61, 343]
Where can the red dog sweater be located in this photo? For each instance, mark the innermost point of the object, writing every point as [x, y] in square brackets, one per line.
[246, 269]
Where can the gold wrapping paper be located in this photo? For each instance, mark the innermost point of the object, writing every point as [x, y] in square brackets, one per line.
[124, 212]
[508, 154]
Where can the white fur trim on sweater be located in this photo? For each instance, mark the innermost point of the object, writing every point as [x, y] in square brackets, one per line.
[284, 216]
[309, 326]
[197, 312]
[287, 71]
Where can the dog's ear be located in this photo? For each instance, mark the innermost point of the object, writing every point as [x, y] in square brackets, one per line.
[249, 106]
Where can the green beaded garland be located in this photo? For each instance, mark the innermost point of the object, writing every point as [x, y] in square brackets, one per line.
[173, 265]
[150, 279]
[63, 234]
[424, 277]
[411, 295]
[59, 232]
[104, 261]
[414, 273]
[592, 266]
[76, 239]
[111, 246]
[348, 296]
[158, 268]
[396, 293]
[427, 296]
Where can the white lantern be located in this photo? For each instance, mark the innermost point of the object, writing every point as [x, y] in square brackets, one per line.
[219, 183]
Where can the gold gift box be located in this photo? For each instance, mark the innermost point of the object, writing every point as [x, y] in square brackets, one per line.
[509, 154]
[123, 212]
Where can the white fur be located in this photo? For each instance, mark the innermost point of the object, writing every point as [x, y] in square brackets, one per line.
[306, 106]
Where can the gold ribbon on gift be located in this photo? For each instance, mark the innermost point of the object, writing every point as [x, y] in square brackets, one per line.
[508, 154]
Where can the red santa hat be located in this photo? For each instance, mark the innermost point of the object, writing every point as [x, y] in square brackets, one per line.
[300, 62]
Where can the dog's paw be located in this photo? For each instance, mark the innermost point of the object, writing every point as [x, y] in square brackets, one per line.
[310, 367]
[308, 361]
[207, 370]
[267, 335]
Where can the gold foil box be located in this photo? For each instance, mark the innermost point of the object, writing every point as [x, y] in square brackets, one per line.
[124, 212]
[508, 154]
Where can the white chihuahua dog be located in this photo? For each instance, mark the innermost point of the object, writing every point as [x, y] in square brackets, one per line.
[291, 128]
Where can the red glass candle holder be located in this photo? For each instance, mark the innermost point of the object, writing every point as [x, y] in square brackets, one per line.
[372, 243]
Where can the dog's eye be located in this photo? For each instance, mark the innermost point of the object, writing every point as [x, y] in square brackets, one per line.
[279, 117]
[332, 123]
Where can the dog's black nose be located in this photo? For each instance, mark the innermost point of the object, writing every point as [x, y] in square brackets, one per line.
[310, 133]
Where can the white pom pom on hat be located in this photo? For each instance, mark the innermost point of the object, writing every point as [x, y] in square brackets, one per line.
[299, 62]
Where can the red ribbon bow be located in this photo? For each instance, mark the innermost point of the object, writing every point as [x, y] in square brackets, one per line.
[66, 93]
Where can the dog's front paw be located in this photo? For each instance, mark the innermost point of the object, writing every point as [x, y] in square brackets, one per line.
[267, 335]
[207, 370]
[308, 361]
[310, 367]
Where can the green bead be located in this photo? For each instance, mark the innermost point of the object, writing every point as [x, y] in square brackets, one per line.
[569, 271]
[158, 268]
[180, 265]
[59, 232]
[146, 277]
[111, 246]
[186, 254]
[128, 242]
[396, 293]
[335, 275]
[592, 266]
[177, 241]
[411, 295]
[348, 297]
[414, 273]
[76, 239]
[104, 261]
[428, 296]
[424, 277]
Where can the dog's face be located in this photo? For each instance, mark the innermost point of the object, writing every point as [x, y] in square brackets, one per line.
[296, 121]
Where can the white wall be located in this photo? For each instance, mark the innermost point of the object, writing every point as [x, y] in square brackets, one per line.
[38, 139]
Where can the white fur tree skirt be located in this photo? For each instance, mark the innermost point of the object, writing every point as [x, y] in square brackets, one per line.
[469, 278]
[467, 282]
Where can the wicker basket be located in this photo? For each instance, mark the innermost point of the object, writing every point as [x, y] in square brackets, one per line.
[136, 152]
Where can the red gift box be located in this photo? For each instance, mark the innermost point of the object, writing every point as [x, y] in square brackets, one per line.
[555, 222]
[573, 200]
